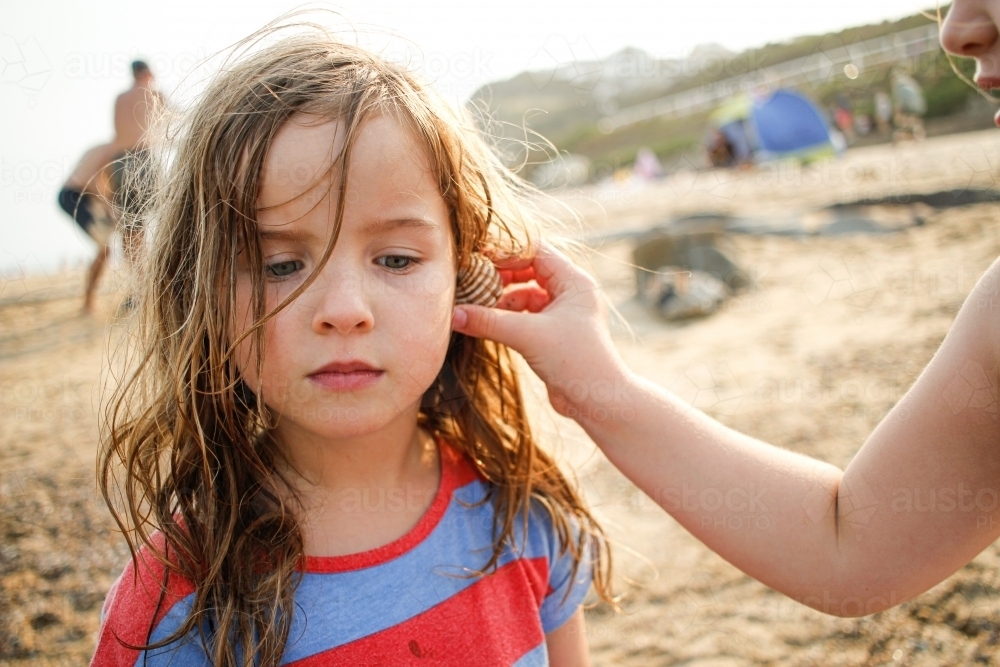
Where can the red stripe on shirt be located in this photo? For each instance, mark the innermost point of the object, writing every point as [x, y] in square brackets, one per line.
[502, 607]
[137, 608]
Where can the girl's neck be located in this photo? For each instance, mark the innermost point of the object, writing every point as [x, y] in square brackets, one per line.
[388, 457]
[341, 486]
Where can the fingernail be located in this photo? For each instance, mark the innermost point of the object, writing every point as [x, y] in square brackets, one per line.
[459, 319]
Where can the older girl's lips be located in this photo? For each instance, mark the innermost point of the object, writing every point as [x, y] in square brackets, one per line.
[990, 83]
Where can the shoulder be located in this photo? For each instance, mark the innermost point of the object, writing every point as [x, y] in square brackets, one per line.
[457, 469]
[545, 551]
[462, 480]
[136, 605]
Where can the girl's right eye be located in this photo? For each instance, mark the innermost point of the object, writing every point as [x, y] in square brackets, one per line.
[283, 269]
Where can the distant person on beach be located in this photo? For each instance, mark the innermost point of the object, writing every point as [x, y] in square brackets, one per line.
[919, 500]
[134, 110]
[720, 151]
[843, 117]
[85, 197]
[910, 106]
[883, 113]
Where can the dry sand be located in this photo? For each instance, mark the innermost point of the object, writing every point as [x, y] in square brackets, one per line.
[810, 359]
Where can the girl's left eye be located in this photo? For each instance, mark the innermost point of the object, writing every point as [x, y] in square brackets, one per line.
[282, 269]
[395, 262]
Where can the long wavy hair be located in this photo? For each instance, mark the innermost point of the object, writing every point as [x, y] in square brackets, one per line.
[186, 448]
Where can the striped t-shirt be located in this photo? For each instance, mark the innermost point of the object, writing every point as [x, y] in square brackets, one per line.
[412, 601]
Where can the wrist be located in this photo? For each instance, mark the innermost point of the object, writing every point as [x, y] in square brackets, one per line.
[602, 400]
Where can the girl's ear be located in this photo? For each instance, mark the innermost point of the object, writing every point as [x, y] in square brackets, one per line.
[478, 282]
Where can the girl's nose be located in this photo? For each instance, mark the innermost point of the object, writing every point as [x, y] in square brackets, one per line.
[343, 305]
[968, 30]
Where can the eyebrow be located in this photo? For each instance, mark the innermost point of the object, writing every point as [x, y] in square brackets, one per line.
[381, 226]
[374, 228]
[284, 234]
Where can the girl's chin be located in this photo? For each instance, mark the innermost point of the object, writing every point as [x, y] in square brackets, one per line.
[347, 429]
[332, 424]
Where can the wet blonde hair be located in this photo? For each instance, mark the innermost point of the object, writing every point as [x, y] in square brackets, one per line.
[187, 449]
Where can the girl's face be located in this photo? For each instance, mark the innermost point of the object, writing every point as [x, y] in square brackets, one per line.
[970, 30]
[356, 350]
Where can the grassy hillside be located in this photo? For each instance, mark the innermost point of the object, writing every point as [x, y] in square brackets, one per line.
[564, 106]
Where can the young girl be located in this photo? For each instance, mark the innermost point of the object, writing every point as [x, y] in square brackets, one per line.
[921, 497]
[311, 467]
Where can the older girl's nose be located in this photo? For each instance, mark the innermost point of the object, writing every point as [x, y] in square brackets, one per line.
[968, 30]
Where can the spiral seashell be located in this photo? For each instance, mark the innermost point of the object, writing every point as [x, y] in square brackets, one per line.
[478, 282]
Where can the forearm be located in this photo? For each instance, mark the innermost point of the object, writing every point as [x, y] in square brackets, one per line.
[914, 505]
[770, 512]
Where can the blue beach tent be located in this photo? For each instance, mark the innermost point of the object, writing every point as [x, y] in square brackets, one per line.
[783, 124]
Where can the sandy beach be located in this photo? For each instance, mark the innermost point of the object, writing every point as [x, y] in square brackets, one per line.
[832, 333]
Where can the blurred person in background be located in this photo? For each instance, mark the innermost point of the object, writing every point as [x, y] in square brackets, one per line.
[837, 540]
[910, 106]
[85, 197]
[134, 110]
[883, 113]
[844, 118]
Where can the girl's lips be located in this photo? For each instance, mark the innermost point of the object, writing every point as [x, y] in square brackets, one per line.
[346, 375]
[349, 381]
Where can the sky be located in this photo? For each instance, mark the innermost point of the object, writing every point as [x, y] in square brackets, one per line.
[62, 64]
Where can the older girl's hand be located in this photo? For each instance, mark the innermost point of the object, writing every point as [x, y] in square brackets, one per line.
[552, 312]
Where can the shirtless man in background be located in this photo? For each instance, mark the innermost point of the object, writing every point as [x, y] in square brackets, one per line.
[133, 111]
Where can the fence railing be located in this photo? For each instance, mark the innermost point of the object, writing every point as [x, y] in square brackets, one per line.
[812, 69]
